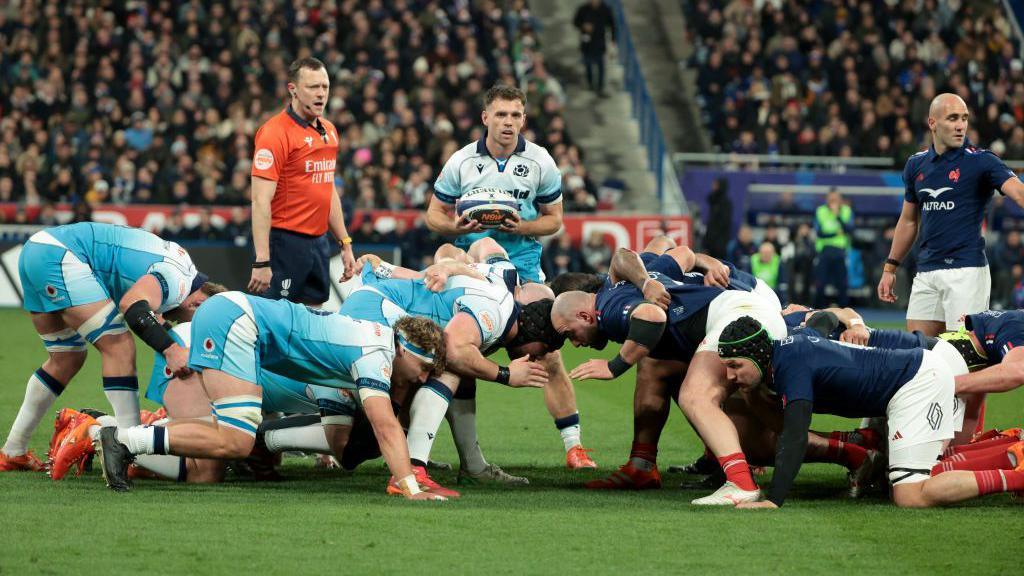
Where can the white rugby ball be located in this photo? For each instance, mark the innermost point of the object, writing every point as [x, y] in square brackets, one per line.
[488, 206]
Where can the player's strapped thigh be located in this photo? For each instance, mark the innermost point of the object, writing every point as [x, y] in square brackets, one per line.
[53, 278]
[243, 413]
[913, 463]
[921, 412]
[337, 406]
[66, 340]
[107, 321]
[224, 336]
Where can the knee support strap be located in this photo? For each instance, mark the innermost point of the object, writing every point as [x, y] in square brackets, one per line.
[106, 322]
[66, 340]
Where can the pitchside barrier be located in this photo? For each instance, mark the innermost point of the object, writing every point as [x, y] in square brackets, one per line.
[229, 263]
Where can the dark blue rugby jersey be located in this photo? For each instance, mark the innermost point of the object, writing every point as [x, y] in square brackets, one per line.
[794, 321]
[953, 190]
[896, 339]
[667, 265]
[615, 304]
[838, 378]
[998, 331]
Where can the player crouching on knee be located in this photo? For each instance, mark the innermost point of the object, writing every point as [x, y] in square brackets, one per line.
[912, 388]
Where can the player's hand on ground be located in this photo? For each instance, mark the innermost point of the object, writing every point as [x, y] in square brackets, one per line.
[858, 334]
[524, 373]
[886, 287]
[465, 225]
[349, 261]
[595, 369]
[177, 361]
[511, 224]
[435, 277]
[717, 275]
[764, 504]
[373, 259]
[260, 280]
[656, 293]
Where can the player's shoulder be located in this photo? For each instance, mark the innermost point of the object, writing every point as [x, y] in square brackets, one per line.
[982, 155]
[918, 157]
[462, 154]
[537, 153]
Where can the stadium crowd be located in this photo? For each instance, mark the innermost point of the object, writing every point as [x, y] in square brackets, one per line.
[158, 102]
[856, 82]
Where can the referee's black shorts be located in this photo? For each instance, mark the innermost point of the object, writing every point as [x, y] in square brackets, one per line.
[301, 265]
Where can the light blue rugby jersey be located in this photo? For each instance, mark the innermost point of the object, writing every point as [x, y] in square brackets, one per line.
[529, 174]
[280, 393]
[491, 305]
[319, 347]
[119, 256]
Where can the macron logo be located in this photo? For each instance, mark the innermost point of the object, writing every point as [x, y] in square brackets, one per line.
[935, 193]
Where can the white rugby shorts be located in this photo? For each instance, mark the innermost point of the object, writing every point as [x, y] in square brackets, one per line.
[921, 419]
[947, 295]
[733, 304]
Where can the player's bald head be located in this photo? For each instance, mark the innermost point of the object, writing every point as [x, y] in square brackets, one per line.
[569, 303]
[946, 103]
[532, 292]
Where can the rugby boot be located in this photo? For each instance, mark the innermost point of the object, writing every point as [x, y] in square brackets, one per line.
[702, 466]
[62, 424]
[577, 458]
[728, 495]
[1016, 452]
[427, 484]
[628, 477]
[27, 462]
[491, 474]
[74, 449]
[866, 474]
[116, 458]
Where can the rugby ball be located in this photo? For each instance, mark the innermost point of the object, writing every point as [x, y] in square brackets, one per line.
[488, 206]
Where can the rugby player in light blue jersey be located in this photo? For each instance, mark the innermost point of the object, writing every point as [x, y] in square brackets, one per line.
[502, 159]
[237, 336]
[88, 283]
[479, 316]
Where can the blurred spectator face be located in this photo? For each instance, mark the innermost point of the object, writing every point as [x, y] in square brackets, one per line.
[833, 199]
[309, 92]
[595, 239]
[1013, 238]
[1017, 271]
[947, 119]
[6, 188]
[238, 215]
[745, 235]
[766, 252]
[504, 119]
[565, 242]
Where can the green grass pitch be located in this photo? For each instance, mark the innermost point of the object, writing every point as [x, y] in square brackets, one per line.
[324, 522]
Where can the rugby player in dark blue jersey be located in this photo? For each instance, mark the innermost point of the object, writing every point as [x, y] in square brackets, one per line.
[947, 189]
[912, 388]
[998, 338]
[686, 332]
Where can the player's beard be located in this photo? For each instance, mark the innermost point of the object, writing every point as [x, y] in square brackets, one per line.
[600, 341]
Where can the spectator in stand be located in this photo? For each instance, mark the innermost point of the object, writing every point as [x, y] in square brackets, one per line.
[238, 228]
[741, 248]
[767, 265]
[366, 233]
[597, 253]
[204, 230]
[595, 23]
[561, 256]
[1007, 254]
[1017, 273]
[719, 220]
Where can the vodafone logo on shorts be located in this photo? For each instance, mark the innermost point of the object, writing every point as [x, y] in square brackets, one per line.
[264, 159]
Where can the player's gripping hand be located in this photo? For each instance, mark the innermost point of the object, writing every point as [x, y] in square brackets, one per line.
[260, 280]
[465, 225]
[511, 224]
[177, 361]
[717, 274]
[523, 373]
[886, 287]
[595, 369]
[373, 259]
[435, 277]
[656, 293]
[856, 335]
[762, 505]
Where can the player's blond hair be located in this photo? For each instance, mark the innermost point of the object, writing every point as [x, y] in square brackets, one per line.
[425, 334]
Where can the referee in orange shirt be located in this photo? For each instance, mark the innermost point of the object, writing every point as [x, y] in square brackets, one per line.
[294, 201]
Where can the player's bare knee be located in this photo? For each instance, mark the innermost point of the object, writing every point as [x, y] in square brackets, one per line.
[485, 247]
[911, 495]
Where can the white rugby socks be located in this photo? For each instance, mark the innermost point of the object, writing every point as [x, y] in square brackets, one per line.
[40, 393]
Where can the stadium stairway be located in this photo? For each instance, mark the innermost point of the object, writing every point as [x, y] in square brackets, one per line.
[604, 128]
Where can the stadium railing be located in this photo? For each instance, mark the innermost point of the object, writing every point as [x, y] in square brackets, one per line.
[670, 194]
